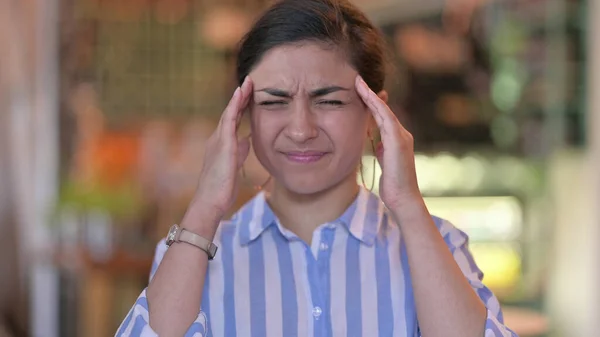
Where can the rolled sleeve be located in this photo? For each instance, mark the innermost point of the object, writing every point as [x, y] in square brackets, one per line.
[494, 328]
[458, 242]
[136, 324]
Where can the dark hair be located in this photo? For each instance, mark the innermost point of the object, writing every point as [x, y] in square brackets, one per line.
[335, 22]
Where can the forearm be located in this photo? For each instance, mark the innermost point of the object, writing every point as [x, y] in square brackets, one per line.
[446, 304]
[175, 292]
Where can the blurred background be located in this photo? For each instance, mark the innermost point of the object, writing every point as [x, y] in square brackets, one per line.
[105, 106]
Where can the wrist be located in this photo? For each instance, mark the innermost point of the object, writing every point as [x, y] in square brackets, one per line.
[201, 220]
[410, 211]
[405, 200]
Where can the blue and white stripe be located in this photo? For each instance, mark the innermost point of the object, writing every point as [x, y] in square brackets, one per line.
[353, 280]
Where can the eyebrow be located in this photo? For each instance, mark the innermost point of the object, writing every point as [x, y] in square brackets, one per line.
[315, 93]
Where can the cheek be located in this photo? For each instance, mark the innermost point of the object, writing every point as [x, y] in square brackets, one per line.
[349, 145]
[346, 126]
[348, 140]
[264, 131]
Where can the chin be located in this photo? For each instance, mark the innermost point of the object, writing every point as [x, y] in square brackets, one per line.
[307, 184]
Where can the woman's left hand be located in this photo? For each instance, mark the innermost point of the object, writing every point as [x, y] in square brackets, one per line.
[398, 183]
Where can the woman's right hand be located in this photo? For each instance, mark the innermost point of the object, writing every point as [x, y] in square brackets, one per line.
[224, 156]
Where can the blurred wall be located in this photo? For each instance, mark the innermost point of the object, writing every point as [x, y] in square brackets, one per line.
[574, 299]
[574, 268]
[12, 303]
[593, 85]
[28, 174]
[13, 78]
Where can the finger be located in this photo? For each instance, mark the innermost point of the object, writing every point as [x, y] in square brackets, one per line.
[233, 101]
[384, 117]
[232, 113]
[365, 92]
[246, 88]
[246, 91]
[243, 151]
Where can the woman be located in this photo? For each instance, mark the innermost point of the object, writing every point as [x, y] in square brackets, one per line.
[317, 256]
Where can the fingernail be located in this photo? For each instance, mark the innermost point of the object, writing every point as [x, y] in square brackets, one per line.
[245, 83]
[363, 85]
[362, 81]
[236, 92]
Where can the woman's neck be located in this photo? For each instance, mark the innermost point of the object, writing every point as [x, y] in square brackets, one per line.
[302, 214]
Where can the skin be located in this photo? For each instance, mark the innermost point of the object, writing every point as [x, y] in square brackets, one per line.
[305, 102]
[306, 99]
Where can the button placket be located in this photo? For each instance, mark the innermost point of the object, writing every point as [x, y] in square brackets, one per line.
[320, 311]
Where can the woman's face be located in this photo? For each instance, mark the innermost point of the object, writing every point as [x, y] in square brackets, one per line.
[308, 123]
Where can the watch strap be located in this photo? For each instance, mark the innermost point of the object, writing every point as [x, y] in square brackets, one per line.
[183, 235]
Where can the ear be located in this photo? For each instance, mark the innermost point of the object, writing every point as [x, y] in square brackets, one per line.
[383, 95]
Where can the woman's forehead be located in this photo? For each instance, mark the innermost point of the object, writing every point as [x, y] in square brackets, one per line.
[308, 64]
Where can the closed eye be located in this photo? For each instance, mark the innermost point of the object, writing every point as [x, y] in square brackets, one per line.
[271, 103]
[331, 102]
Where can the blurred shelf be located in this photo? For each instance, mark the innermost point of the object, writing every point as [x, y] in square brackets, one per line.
[119, 263]
[103, 289]
[526, 323]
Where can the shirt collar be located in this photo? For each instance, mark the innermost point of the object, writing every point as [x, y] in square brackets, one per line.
[362, 218]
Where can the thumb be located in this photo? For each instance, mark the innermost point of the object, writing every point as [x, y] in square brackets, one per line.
[243, 150]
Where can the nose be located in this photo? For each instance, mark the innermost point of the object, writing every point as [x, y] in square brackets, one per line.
[302, 127]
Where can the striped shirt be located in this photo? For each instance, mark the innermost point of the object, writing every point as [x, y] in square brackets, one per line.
[353, 280]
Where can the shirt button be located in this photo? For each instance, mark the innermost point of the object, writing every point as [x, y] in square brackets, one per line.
[317, 312]
[323, 246]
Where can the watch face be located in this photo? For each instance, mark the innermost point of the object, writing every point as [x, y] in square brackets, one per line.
[171, 235]
[212, 250]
